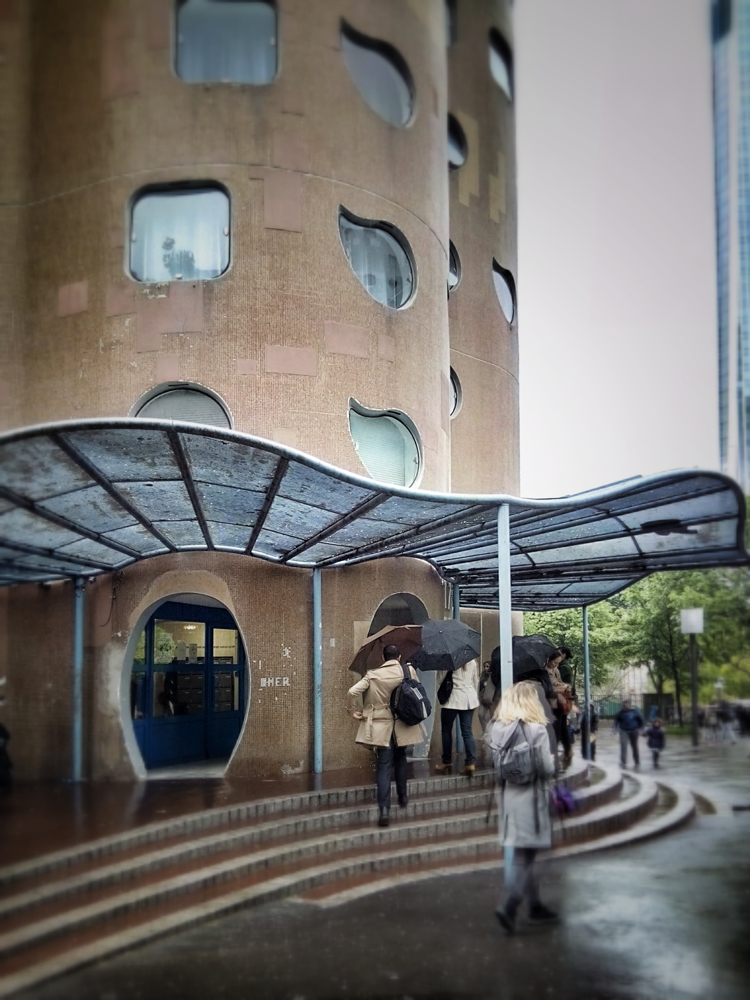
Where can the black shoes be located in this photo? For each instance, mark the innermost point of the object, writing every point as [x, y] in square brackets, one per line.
[403, 801]
[540, 913]
[507, 921]
[383, 817]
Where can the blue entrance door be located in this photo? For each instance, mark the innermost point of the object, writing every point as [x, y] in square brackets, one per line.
[188, 685]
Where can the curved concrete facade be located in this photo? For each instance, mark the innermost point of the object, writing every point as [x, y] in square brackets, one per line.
[286, 336]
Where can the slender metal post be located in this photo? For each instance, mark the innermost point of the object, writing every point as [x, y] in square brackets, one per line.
[317, 673]
[503, 596]
[78, 608]
[585, 730]
[694, 687]
[456, 594]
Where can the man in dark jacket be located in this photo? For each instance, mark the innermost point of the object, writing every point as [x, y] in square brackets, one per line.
[589, 728]
[630, 723]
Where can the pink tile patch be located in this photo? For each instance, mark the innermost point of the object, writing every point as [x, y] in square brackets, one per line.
[247, 366]
[73, 298]
[291, 152]
[341, 338]
[291, 360]
[386, 347]
[167, 368]
[119, 300]
[282, 201]
[286, 435]
[180, 311]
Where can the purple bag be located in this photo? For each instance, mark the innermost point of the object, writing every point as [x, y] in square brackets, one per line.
[564, 801]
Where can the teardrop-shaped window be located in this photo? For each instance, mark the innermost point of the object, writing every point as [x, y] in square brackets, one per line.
[505, 287]
[380, 257]
[501, 63]
[456, 397]
[380, 75]
[454, 267]
[388, 444]
[457, 147]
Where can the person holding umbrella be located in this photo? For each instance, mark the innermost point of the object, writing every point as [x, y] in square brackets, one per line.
[370, 703]
[462, 702]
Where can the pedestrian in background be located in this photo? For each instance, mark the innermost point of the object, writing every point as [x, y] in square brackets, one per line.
[629, 722]
[370, 703]
[525, 824]
[461, 703]
[656, 739]
[589, 727]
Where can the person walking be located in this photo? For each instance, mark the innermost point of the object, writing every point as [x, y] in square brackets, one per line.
[629, 722]
[461, 704]
[525, 824]
[589, 727]
[561, 705]
[370, 703]
[656, 738]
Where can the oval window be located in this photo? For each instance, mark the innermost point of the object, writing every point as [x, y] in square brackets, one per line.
[505, 287]
[454, 267]
[456, 395]
[380, 257]
[387, 443]
[380, 74]
[457, 148]
[501, 63]
[183, 401]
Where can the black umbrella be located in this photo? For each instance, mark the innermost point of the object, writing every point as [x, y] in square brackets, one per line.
[530, 654]
[446, 645]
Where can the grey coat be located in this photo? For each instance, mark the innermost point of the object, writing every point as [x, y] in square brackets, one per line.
[524, 809]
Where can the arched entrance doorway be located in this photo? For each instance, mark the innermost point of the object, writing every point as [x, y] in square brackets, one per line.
[407, 609]
[188, 683]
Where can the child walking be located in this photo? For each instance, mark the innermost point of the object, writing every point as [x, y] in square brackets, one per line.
[656, 739]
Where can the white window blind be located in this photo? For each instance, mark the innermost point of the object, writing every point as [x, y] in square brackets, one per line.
[185, 404]
[386, 448]
[226, 41]
[376, 76]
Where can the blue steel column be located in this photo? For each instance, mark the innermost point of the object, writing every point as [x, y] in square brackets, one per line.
[585, 741]
[317, 673]
[78, 607]
[456, 594]
[503, 596]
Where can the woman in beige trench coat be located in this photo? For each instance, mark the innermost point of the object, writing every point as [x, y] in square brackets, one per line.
[370, 702]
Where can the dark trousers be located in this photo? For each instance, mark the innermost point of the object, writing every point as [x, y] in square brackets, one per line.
[392, 758]
[563, 735]
[631, 738]
[520, 878]
[447, 719]
[655, 757]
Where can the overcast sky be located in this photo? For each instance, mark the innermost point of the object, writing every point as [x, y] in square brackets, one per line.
[616, 276]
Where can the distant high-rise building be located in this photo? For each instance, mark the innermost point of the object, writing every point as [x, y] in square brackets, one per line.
[730, 27]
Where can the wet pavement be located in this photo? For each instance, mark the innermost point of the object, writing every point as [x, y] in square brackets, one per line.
[664, 919]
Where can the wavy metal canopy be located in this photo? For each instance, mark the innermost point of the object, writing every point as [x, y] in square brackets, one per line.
[91, 496]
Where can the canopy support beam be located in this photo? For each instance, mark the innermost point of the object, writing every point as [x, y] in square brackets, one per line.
[317, 673]
[456, 595]
[585, 734]
[78, 611]
[503, 596]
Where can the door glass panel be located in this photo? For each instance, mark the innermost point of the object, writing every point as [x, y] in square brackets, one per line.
[226, 645]
[138, 694]
[227, 691]
[139, 656]
[177, 693]
[179, 642]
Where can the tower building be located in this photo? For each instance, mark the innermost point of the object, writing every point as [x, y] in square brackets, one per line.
[291, 219]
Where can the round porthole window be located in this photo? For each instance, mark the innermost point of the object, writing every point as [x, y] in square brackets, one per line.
[501, 63]
[388, 444]
[380, 257]
[380, 74]
[456, 395]
[183, 401]
[457, 147]
[454, 268]
[505, 287]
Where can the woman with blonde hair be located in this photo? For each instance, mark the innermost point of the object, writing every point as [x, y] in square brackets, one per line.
[525, 825]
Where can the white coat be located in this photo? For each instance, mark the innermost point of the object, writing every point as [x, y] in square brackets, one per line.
[465, 684]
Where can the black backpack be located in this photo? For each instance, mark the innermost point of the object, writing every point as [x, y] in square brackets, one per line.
[409, 701]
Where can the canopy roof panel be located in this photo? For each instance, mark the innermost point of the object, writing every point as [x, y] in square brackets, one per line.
[91, 496]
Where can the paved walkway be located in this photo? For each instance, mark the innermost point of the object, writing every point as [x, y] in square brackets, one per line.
[666, 920]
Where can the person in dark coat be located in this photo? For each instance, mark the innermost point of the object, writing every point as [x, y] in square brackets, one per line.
[525, 824]
[630, 722]
[589, 728]
[656, 739]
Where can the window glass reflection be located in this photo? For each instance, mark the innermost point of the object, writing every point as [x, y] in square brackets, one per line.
[379, 261]
[501, 63]
[177, 693]
[386, 447]
[380, 75]
[179, 642]
[139, 656]
[226, 41]
[457, 147]
[505, 288]
[180, 234]
[138, 694]
[226, 645]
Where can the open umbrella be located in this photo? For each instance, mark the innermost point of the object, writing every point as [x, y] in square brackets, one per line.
[446, 645]
[530, 654]
[408, 638]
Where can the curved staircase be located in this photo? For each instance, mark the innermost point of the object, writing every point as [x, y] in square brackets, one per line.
[68, 909]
